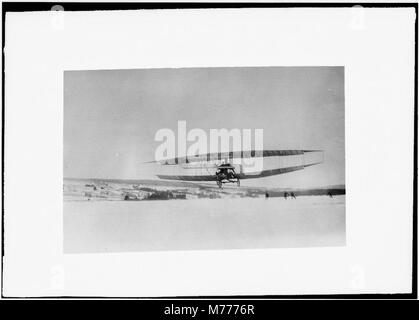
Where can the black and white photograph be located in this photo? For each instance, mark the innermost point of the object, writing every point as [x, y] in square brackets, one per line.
[204, 158]
[199, 151]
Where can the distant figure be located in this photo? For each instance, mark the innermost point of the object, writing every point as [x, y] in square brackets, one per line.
[285, 195]
[330, 194]
[266, 194]
[293, 195]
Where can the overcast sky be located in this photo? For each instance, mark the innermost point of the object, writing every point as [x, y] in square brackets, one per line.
[112, 116]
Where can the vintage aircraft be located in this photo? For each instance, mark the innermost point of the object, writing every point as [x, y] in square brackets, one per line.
[230, 167]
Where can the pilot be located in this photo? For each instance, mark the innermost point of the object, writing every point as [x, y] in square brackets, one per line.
[221, 173]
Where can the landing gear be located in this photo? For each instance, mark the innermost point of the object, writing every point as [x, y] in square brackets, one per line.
[220, 182]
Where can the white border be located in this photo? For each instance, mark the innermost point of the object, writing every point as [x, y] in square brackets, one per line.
[376, 46]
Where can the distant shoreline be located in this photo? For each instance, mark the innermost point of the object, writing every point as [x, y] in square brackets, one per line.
[148, 189]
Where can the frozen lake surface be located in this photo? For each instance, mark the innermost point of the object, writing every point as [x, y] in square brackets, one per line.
[203, 224]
